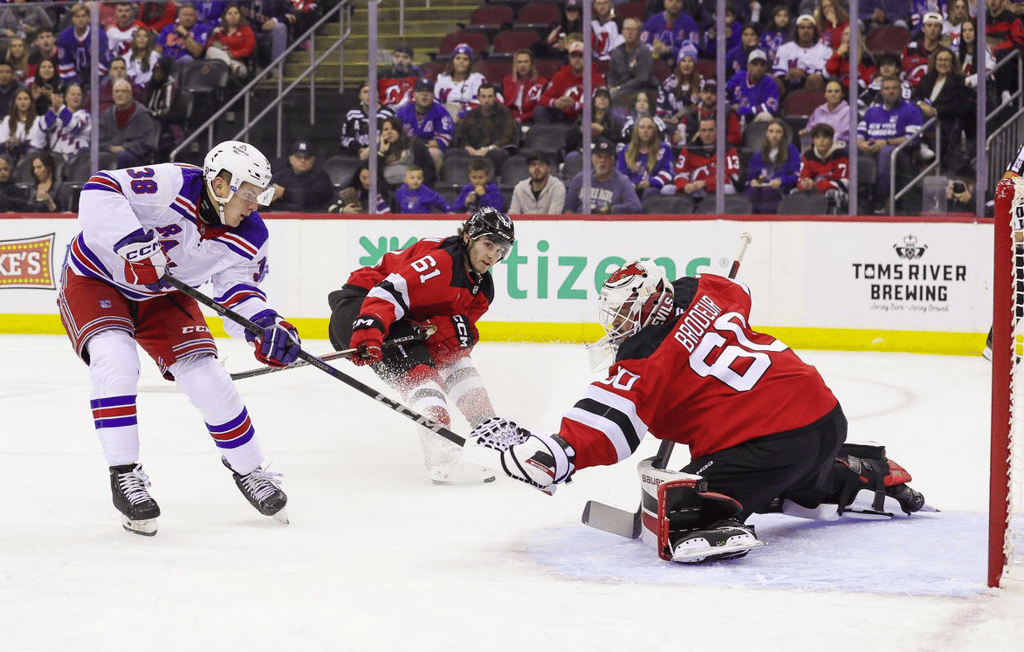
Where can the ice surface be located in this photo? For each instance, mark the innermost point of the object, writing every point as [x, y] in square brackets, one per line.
[377, 558]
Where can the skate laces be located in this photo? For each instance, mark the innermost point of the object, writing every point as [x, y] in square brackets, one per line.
[261, 483]
[134, 484]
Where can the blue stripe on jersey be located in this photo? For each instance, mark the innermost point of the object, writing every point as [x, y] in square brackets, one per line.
[181, 210]
[88, 261]
[236, 294]
[253, 230]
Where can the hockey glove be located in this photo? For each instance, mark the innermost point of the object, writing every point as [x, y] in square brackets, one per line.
[367, 339]
[539, 460]
[279, 345]
[453, 333]
[144, 259]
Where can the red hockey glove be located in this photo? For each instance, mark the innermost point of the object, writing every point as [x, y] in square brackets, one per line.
[367, 339]
[279, 345]
[144, 259]
[453, 333]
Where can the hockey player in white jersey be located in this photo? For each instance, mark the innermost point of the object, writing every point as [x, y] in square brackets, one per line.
[198, 225]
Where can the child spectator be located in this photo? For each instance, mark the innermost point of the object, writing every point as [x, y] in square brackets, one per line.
[777, 32]
[773, 171]
[825, 166]
[889, 64]
[414, 197]
[480, 191]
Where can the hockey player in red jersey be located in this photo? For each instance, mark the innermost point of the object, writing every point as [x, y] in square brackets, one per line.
[203, 225]
[441, 284]
[764, 431]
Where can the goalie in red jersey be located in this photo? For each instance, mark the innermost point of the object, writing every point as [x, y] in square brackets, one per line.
[444, 286]
[765, 433]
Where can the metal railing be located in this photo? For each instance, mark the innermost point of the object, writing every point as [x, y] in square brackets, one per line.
[341, 10]
[1001, 147]
[917, 137]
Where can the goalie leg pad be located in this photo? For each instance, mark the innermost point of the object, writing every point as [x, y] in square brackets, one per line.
[722, 540]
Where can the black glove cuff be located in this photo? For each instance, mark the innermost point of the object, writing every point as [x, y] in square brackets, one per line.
[367, 321]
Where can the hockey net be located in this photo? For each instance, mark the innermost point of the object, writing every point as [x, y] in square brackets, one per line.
[1006, 490]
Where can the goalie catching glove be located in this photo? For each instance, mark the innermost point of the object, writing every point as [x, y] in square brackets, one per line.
[540, 460]
[279, 344]
[144, 259]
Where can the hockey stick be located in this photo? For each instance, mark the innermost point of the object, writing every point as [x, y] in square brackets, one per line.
[629, 524]
[248, 325]
[333, 355]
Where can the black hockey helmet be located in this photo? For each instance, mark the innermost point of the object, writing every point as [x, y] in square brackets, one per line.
[492, 223]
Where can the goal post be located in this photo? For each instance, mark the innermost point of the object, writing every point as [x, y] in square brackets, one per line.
[1006, 484]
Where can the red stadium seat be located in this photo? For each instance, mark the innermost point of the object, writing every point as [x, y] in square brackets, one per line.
[534, 14]
[492, 16]
[631, 9]
[495, 68]
[507, 42]
[474, 39]
[889, 38]
[708, 69]
[802, 102]
[662, 70]
[548, 67]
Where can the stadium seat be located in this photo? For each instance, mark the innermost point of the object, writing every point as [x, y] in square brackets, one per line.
[548, 138]
[495, 68]
[572, 167]
[538, 15]
[734, 205]
[888, 38]
[202, 84]
[514, 170]
[631, 9]
[662, 70]
[803, 204]
[546, 68]
[753, 135]
[708, 70]
[802, 102]
[491, 16]
[867, 170]
[475, 39]
[507, 42]
[455, 170]
[79, 168]
[668, 205]
[341, 168]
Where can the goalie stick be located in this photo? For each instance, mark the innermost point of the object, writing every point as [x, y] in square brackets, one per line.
[333, 355]
[248, 325]
[628, 524]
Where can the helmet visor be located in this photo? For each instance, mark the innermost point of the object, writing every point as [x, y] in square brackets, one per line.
[250, 193]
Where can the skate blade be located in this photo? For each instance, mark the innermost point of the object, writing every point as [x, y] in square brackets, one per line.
[281, 516]
[145, 527]
[696, 552]
[463, 473]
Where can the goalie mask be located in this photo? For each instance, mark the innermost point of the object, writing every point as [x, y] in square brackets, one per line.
[495, 225]
[244, 163]
[636, 295]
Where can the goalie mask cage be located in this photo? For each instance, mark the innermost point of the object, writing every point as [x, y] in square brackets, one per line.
[1006, 488]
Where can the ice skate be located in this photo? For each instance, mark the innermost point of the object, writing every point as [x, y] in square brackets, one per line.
[129, 486]
[722, 540]
[261, 488]
[446, 466]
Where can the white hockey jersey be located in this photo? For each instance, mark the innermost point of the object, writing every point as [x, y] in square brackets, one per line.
[116, 204]
[811, 60]
[464, 92]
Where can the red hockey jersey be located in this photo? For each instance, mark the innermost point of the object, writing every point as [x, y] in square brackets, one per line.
[699, 163]
[429, 279]
[831, 172]
[704, 379]
[566, 83]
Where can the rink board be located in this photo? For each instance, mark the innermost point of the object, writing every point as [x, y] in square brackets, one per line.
[907, 284]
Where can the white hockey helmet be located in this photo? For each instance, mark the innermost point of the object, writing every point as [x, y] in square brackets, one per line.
[245, 163]
[636, 295]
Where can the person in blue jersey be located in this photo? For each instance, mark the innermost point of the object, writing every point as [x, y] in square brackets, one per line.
[882, 129]
[753, 93]
[74, 58]
[427, 119]
[415, 197]
[667, 31]
[200, 225]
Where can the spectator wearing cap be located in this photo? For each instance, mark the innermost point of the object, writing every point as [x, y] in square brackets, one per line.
[489, 130]
[610, 190]
[556, 44]
[355, 132]
[800, 63]
[879, 13]
[918, 53]
[522, 88]
[679, 94]
[632, 65]
[395, 84]
[456, 88]
[665, 32]
[562, 100]
[427, 119]
[696, 167]
[708, 108]
[302, 187]
[541, 193]
[752, 93]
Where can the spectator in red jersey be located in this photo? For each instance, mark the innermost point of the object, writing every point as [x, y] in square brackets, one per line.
[1004, 35]
[522, 88]
[838, 66]
[562, 100]
[917, 54]
[155, 16]
[825, 167]
[394, 84]
[764, 431]
[696, 167]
